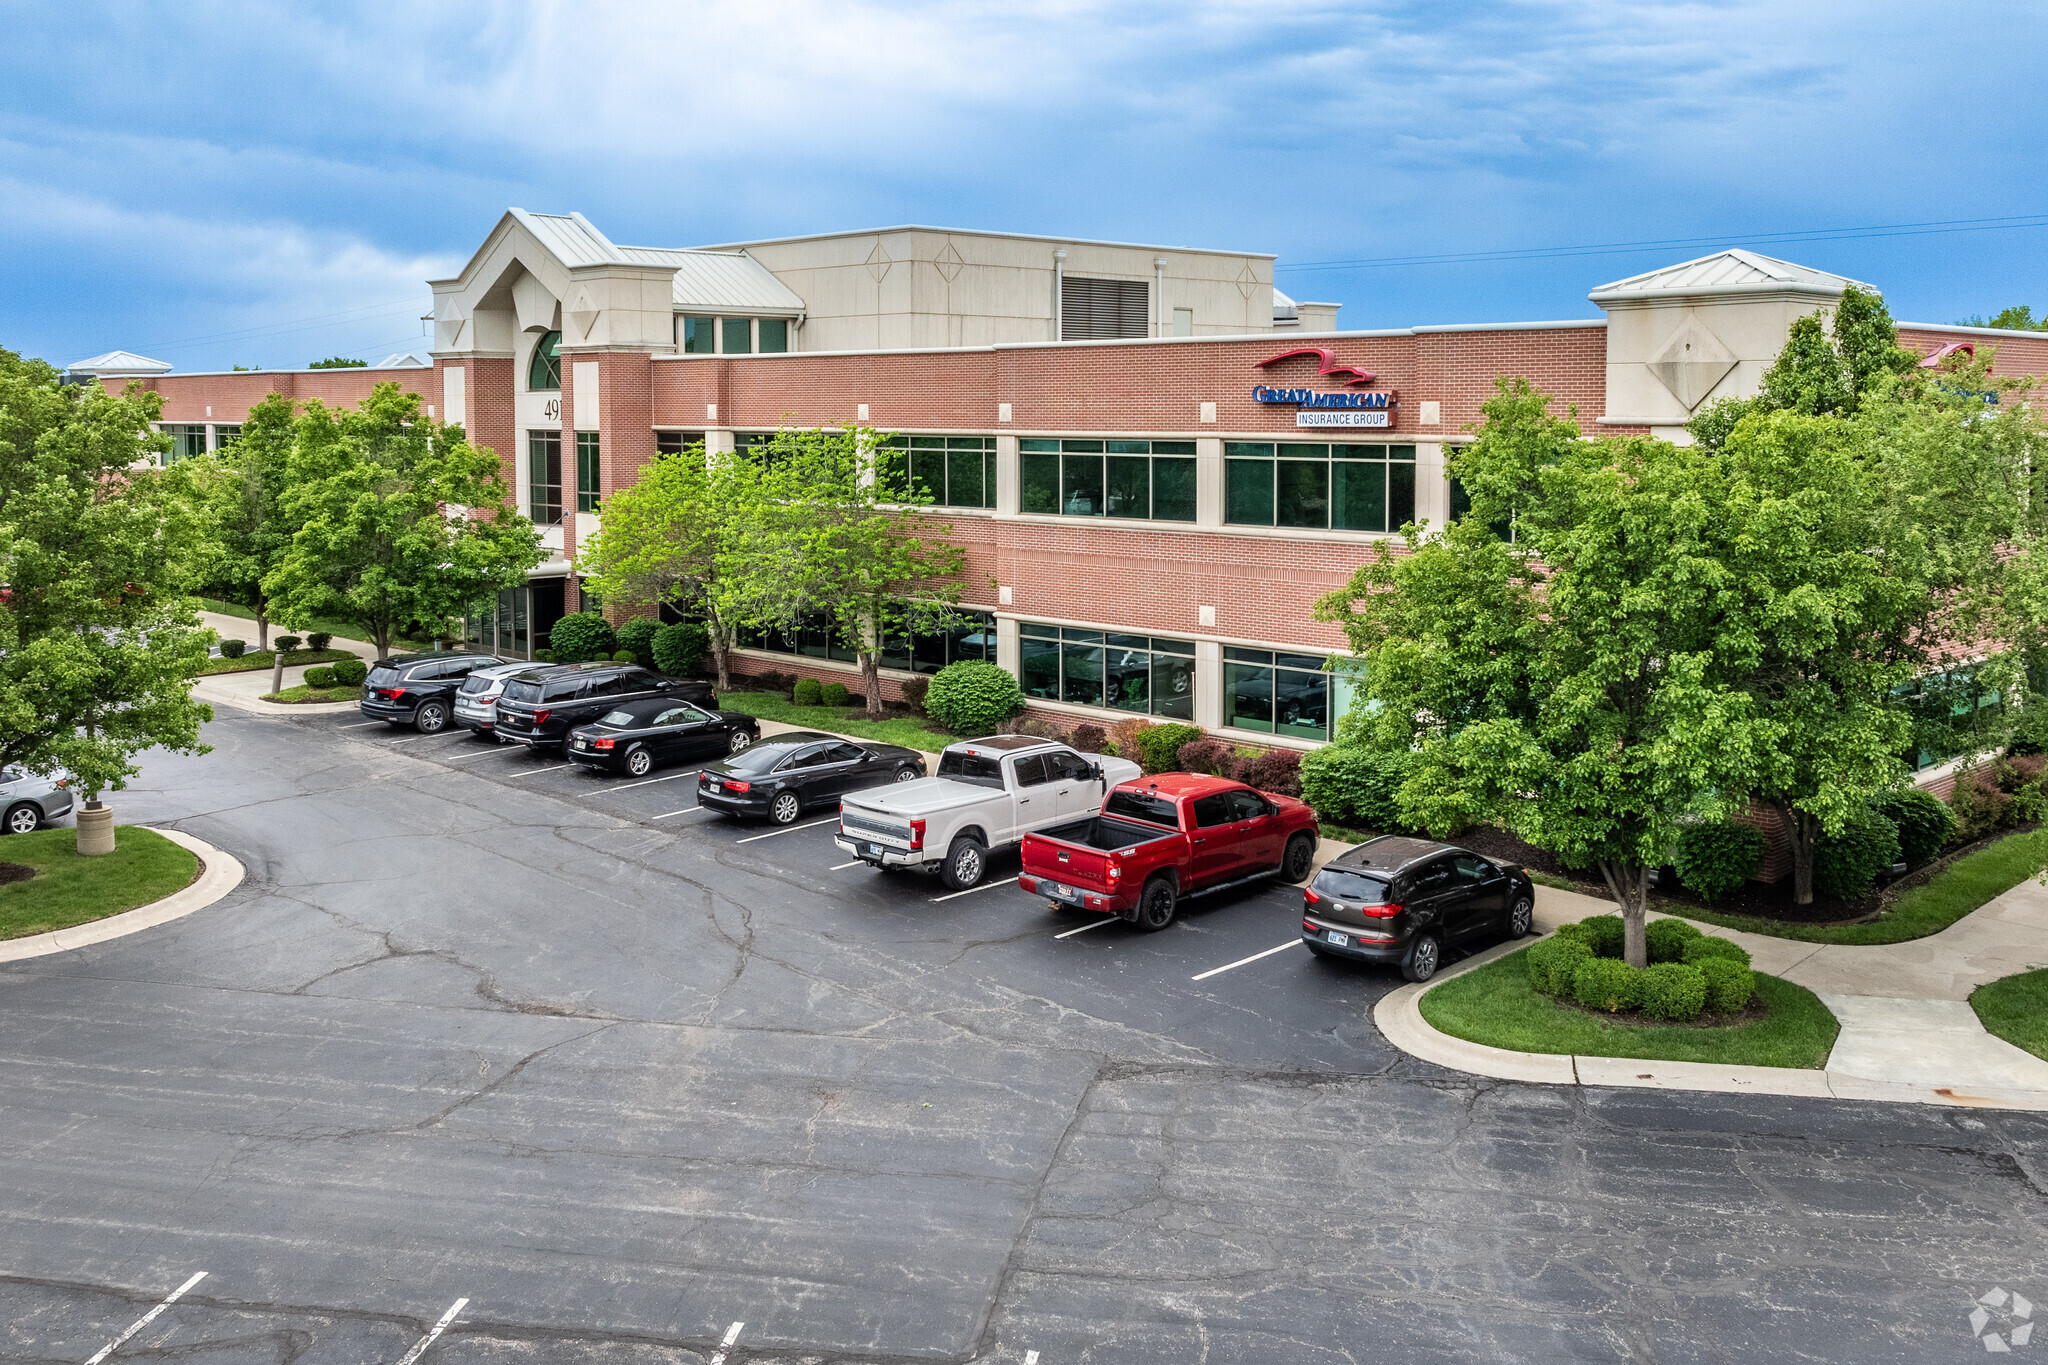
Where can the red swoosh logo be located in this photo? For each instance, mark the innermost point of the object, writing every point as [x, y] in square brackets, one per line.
[1326, 364]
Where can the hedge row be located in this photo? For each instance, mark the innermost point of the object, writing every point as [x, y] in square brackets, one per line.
[1689, 973]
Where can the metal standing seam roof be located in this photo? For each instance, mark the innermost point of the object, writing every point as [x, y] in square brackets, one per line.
[715, 281]
[119, 362]
[1726, 272]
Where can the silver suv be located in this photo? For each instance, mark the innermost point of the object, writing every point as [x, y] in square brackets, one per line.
[476, 705]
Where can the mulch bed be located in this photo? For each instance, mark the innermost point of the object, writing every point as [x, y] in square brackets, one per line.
[15, 872]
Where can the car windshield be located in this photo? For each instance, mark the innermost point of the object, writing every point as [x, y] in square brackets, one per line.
[1351, 886]
[521, 690]
[979, 769]
[760, 758]
[1153, 810]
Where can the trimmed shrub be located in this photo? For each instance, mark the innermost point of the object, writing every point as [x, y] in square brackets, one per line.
[233, 649]
[1276, 770]
[350, 672]
[543, 656]
[1211, 756]
[1979, 807]
[807, 692]
[679, 648]
[287, 643]
[1579, 932]
[581, 636]
[1846, 865]
[1926, 826]
[1126, 738]
[1089, 739]
[1159, 747]
[1672, 990]
[834, 694]
[1729, 983]
[971, 698]
[1715, 859]
[1553, 961]
[1605, 934]
[769, 680]
[1665, 939]
[625, 656]
[1606, 983]
[1036, 728]
[318, 639]
[1357, 786]
[1711, 947]
[914, 690]
[637, 637]
[320, 675]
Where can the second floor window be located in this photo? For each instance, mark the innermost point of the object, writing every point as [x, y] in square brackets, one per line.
[1154, 480]
[545, 372]
[957, 471]
[1332, 487]
[544, 477]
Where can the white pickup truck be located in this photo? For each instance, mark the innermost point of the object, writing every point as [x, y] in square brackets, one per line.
[988, 794]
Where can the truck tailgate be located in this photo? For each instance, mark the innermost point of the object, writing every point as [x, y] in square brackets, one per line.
[1078, 853]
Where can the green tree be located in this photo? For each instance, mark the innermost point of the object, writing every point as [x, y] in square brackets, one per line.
[249, 494]
[339, 362]
[1815, 373]
[98, 553]
[1560, 684]
[402, 522]
[2018, 318]
[834, 537]
[674, 536]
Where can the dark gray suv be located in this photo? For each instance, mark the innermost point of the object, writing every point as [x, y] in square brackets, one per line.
[418, 689]
[1404, 901]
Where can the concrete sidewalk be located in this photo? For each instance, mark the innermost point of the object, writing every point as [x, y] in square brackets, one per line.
[1907, 1030]
[245, 691]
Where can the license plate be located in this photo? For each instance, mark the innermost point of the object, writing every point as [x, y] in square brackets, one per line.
[1059, 892]
[1341, 940]
[874, 850]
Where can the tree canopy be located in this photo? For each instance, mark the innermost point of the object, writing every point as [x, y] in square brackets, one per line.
[98, 553]
[402, 523]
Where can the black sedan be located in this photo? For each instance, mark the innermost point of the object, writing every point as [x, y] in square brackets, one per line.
[784, 775]
[635, 736]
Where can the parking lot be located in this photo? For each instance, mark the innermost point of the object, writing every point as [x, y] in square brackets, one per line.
[497, 1059]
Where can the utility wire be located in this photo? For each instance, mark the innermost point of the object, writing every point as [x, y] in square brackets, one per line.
[2034, 220]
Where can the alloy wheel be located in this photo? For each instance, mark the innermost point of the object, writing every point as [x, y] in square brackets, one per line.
[639, 763]
[785, 808]
[431, 719]
[1422, 961]
[22, 819]
[1520, 918]
[905, 774]
[740, 740]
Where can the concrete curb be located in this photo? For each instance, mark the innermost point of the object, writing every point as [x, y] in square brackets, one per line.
[219, 874]
[1399, 1019]
[252, 706]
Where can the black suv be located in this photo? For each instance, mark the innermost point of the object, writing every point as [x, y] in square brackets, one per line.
[540, 708]
[418, 689]
[1400, 900]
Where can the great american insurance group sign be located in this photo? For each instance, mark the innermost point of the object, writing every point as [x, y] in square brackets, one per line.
[1355, 405]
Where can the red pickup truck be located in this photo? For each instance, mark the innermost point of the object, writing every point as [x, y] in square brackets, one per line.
[1161, 838]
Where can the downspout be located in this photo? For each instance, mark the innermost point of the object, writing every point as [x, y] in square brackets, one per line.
[1159, 296]
[1059, 281]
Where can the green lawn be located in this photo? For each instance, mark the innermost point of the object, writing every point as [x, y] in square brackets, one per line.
[143, 867]
[1946, 897]
[911, 732]
[1497, 1006]
[2015, 1008]
[340, 628]
[302, 693]
[255, 659]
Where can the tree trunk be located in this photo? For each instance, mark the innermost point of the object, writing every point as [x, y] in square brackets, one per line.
[1629, 883]
[871, 667]
[721, 655]
[1802, 833]
[262, 623]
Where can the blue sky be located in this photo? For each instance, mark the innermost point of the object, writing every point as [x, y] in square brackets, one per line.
[219, 184]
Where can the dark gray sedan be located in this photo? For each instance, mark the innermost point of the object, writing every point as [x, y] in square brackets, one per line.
[29, 802]
[785, 775]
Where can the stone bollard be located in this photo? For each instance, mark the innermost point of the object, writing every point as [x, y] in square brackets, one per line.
[95, 829]
[277, 673]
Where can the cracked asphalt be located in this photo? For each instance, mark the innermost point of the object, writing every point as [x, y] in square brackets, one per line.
[480, 1027]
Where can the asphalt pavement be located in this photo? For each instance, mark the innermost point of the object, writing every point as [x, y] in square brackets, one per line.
[493, 1059]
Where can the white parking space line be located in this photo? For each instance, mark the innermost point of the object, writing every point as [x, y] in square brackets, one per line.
[1031, 1358]
[652, 780]
[359, 725]
[684, 811]
[732, 1335]
[551, 768]
[791, 829]
[1106, 919]
[146, 1319]
[499, 752]
[841, 867]
[419, 1348]
[1228, 966]
[985, 886]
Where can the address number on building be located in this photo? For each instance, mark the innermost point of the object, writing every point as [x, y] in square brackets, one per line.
[1343, 419]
